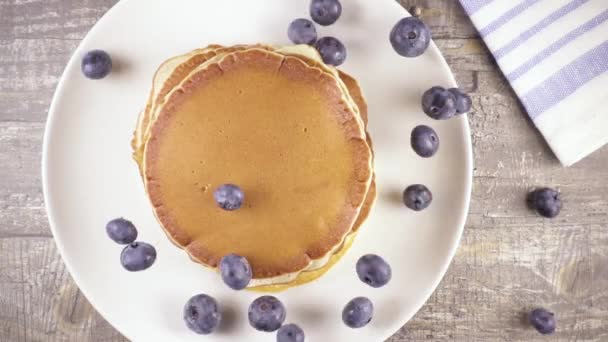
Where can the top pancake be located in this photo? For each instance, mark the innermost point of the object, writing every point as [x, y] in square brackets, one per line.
[266, 103]
[172, 72]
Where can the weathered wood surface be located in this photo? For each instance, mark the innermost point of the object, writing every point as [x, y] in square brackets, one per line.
[509, 261]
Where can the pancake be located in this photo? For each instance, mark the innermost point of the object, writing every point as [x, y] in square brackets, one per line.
[171, 72]
[183, 64]
[334, 213]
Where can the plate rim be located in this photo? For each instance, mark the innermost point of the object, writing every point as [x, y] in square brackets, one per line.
[51, 121]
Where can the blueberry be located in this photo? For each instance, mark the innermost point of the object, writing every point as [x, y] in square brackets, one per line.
[325, 12]
[96, 64]
[202, 314]
[290, 333]
[547, 202]
[439, 103]
[235, 271]
[138, 256]
[229, 197]
[121, 231]
[331, 50]
[417, 197]
[373, 270]
[358, 312]
[543, 321]
[302, 31]
[463, 101]
[266, 313]
[425, 141]
[410, 37]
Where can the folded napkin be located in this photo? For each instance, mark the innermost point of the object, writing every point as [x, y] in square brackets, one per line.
[554, 54]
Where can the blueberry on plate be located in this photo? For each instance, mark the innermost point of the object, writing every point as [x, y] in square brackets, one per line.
[266, 313]
[202, 314]
[302, 31]
[439, 103]
[325, 12]
[425, 141]
[332, 51]
[96, 64]
[235, 271]
[410, 37]
[373, 270]
[290, 333]
[121, 231]
[229, 197]
[138, 256]
[547, 202]
[358, 312]
[543, 321]
[417, 197]
[463, 101]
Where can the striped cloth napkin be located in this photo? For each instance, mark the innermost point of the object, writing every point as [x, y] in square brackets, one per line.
[554, 54]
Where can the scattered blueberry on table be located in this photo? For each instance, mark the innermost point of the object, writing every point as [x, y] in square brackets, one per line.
[302, 31]
[463, 101]
[235, 271]
[358, 312]
[121, 231]
[138, 256]
[417, 197]
[332, 51]
[439, 103]
[202, 314]
[229, 197]
[325, 12]
[374, 270]
[290, 333]
[266, 313]
[410, 37]
[96, 64]
[547, 202]
[543, 321]
[425, 141]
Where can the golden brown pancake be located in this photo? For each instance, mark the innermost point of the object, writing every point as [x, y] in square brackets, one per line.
[171, 71]
[265, 100]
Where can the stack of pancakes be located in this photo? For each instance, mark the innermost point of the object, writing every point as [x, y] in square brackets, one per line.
[287, 129]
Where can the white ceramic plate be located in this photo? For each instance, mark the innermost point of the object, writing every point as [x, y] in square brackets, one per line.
[90, 178]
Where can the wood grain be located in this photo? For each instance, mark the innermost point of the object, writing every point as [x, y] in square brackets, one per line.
[509, 261]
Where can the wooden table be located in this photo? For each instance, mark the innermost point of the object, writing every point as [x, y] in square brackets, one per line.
[509, 261]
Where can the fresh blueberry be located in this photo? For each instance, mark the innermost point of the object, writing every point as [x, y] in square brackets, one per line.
[439, 103]
[235, 271]
[417, 197]
[229, 197]
[290, 333]
[202, 314]
[358, 312]
[547, 202]
[373, 270]
[96, 64]
[410, 37]
[302, 31]
[266, 313]
[121, 231]
[331, 50]
[425, 141]
[138, 256]
[543, 321]
[463, 101]
[325, 12]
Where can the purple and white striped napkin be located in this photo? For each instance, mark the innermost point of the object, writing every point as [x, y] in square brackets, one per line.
[555, 55]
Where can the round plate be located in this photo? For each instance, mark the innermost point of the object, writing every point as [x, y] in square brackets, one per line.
[90, 178]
